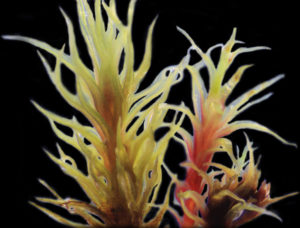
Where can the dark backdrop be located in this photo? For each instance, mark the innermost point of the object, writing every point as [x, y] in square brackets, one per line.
[208, 22]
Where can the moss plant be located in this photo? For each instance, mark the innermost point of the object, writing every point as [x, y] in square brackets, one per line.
[124, 159]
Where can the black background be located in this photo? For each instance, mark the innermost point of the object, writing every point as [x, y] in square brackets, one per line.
[208, 22]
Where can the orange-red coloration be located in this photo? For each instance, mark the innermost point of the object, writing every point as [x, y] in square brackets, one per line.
[212, 119]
